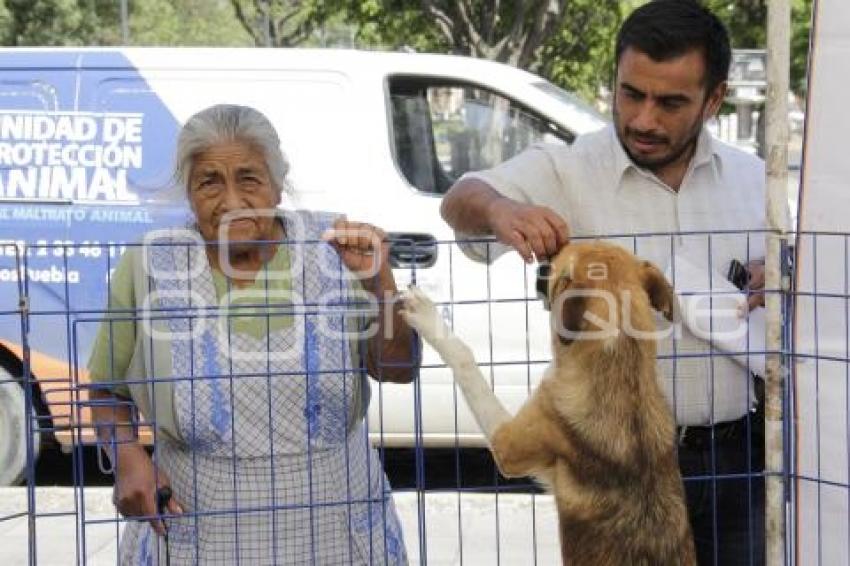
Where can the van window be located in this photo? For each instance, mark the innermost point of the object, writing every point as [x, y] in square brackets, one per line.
[442, 130]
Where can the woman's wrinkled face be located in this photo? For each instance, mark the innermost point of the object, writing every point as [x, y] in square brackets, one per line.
[231, 193]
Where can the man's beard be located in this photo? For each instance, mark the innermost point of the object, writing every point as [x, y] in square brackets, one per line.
[660, 162]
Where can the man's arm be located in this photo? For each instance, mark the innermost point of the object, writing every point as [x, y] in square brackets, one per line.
[466, 207]
[473, 207]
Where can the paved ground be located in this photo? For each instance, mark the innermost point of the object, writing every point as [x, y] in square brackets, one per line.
[459, 528]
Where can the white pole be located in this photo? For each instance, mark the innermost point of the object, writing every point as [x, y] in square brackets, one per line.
[776, 155]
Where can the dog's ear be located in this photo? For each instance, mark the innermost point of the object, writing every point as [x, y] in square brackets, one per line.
[572, 308]
[660, 293]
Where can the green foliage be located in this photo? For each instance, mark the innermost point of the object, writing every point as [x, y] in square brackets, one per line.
[801, 28]
[389, 24]
[98, 22]
[745, 19]
[186, 23]
[279, 23]
[568, 42]
[5, 24]
[580, 58]
[49, 22]
[747, 23]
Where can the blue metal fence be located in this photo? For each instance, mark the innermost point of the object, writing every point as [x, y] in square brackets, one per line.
[452, 504]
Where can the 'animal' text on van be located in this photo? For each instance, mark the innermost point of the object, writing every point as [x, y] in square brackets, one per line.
[69, 155]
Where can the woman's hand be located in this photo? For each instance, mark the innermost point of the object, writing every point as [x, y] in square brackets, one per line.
[135, 488]
[362, 247]
[365, 251]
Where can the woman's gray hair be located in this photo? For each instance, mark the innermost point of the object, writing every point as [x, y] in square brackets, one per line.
[225, 123]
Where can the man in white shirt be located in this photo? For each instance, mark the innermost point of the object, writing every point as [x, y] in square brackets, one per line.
[657, 182]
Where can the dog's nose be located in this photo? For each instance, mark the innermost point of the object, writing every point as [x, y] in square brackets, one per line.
[544, 271]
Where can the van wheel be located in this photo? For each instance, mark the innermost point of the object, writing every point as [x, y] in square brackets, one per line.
[13, 436]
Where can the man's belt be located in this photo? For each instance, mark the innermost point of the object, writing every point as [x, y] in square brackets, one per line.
[701, 437]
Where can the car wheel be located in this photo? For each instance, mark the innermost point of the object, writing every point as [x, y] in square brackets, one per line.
[13, 437]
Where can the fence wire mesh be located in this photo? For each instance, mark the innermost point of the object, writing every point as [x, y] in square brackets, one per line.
[270, 451]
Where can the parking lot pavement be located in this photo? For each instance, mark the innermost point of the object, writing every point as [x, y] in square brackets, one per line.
[476, 528]
[468, 528]
[56, 524]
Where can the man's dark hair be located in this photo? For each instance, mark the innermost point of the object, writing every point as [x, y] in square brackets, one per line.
[666, 29]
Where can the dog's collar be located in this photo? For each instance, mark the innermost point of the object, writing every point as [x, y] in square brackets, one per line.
[544, 271]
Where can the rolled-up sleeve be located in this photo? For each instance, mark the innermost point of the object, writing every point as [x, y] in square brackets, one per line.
[116, 336]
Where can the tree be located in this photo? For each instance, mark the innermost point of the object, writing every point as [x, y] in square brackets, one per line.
[172, 23]
[747, 24]
[97, 22]
[513, 32]
[276, 23]
[49, 22]
[186, 23]
[801, 31]
[746, 21]
[5, 24]
[390, 24]
[581, 56]
[567, 41]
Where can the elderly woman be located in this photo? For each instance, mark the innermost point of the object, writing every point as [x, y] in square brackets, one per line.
[248, 359]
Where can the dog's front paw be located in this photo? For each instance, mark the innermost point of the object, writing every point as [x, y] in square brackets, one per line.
[421, 314]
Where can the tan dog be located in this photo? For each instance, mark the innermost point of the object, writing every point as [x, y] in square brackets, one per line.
[598, 430]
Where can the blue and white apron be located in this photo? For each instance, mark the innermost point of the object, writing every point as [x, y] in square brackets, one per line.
[273, 464]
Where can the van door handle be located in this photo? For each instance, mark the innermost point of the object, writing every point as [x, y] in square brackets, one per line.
[411, 249]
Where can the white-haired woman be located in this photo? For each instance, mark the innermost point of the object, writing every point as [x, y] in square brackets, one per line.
[251, 369]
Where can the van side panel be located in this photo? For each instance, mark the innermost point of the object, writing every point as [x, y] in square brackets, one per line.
[85, 154]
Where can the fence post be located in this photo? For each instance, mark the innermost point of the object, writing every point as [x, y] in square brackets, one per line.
[776, 155]
[21, 265]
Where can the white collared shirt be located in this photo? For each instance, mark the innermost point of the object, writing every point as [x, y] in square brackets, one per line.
[716, 216]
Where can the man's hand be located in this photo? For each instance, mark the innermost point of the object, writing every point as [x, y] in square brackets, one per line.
[755, 287]
[135, 488]
[533, 231]
[363, 248]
